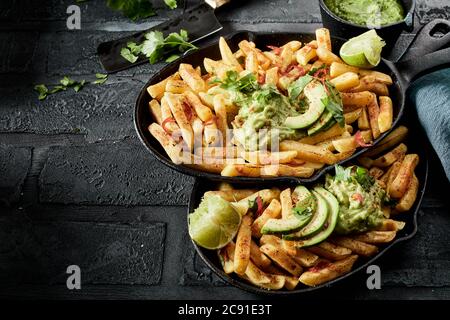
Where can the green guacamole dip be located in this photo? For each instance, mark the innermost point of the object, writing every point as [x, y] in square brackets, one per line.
[264, 109]
[367, 12]
[360, 199]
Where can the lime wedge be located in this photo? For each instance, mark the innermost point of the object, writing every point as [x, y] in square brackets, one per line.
[363, 51]
[214, 223]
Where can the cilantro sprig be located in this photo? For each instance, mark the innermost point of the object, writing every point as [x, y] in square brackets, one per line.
[66, 83]
[360, 174]
[172, 4]
[245, 84]
[133, 9]
[155, 47]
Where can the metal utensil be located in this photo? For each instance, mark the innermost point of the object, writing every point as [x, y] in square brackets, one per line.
[199, 22]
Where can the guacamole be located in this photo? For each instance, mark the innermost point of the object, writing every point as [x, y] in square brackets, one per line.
[360, 198]
[265, 108]
[367, 12]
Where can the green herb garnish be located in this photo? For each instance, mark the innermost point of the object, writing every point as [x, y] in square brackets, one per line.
[101, 78]
[172, 4]
[333, 103]
[246, 84]
[133, 9]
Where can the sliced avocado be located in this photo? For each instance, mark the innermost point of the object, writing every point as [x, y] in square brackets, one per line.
[329, 226]
[314, 92]
[321, 124]
[292, 224]
[317, 221]
[299, 217]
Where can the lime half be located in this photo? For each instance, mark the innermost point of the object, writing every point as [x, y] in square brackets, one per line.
[363, 51]
[214, 223]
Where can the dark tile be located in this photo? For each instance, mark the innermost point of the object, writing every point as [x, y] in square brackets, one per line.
[14, 165]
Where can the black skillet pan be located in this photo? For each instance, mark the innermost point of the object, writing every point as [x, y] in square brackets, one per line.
[402, 74]
[416, 144]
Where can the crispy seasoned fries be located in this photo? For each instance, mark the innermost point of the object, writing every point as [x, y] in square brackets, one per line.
[199, 110]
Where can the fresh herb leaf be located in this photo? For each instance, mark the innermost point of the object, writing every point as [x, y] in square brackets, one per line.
[66, 81]
[153, 46]
[42, 90]
[333, 103]
[314, 70]
[296, 87]
[172, 58]
[131, 52]
[301, 211]
[341, 173]
[246, 84]
[101, 78]
[58, 88]
[172, 4]
[133, 9]
[364, 178]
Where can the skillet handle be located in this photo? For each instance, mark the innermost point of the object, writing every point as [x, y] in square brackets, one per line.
[411, 68]
[424, 41]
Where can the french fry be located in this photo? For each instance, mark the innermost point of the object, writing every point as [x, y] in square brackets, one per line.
[290, 283]
[156, 91]
[385, 117]
[409, 197]
[273, 211]
[226, 257]
[356, 100]
[308, 152]
[270, 239]
[155, 110]
[244, 170]
[286, 203]
[172, 148]
[283, 170]
[376, 76]
[274, 58]
[207, 99]
[294, 44]
[392, 139]
[231, 195]
[227, 55]
[243, 243]
[391, 225]
[375, 237]
[334, 131]
[323, 38]
[167, 117]
[261, 279]
[265, 157]
[327, 272]
[352, 116]
[203, 112]
[366, 162]
[247, 47]
[338, 68]
[368, 84]
[389, 158]
[376, 172]
[363, 120]
[345, 81]
[272, 76]
[286, 56]
[258, 258]
[207, 167]
[282, 259]
[330, 251]
[393, 171]
[327, 56]
[218, 152]
[191, 77]
[176, 86]
[179, 114]
[401, 182]
[347, 144]
[251, 62]
[305, 54]
[221, 115]
[358, 247]
[373, 110]
[305, 258]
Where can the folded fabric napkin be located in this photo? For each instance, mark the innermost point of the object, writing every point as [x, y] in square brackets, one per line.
[431, 97]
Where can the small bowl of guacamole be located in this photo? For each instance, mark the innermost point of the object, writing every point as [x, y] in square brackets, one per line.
[350, 18]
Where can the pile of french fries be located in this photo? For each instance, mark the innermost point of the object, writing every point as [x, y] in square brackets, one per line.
[270, 262]
[192, 113]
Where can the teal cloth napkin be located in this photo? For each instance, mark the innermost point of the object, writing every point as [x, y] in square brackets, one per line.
[431, 97]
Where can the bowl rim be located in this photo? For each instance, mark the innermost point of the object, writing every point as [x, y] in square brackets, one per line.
[341, 20]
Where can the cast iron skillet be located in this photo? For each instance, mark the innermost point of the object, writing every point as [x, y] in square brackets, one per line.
[402, 74]
[416, 144]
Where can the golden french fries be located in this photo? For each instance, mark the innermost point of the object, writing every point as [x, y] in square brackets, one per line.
[316, 276]
[243, 244]
[403, 178]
